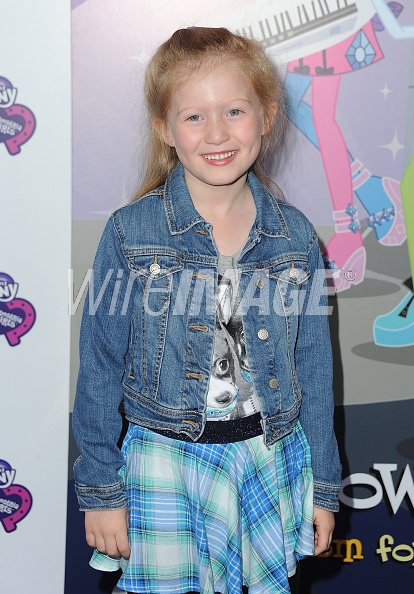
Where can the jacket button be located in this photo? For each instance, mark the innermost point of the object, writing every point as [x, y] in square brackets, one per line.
[294, 273]
[260, 283]
[273, 383]
[263, 334]
[155, 269]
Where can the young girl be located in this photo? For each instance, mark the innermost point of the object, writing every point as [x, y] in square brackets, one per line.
[210, 327]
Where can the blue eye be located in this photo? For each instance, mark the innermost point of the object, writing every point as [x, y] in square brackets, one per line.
[194, 118]
[234, 112]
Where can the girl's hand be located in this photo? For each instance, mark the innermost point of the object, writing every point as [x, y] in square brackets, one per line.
[107, 531]
[324, 522]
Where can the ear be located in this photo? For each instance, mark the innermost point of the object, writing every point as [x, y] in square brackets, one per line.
[164, 131]
[269, 117]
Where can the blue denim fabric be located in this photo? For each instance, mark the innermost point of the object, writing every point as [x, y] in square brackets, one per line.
[148, 330]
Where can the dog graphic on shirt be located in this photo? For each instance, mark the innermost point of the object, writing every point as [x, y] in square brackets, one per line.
[222, 390]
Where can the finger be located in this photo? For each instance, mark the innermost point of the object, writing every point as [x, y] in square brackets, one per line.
[100, 544]
[322, 542]
[123, 545]
[90, 539]
[112, 547]
[319, 549]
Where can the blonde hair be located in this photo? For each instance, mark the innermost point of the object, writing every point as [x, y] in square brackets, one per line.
[188, 51]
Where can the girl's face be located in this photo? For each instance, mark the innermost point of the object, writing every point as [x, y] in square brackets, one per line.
[215, 123]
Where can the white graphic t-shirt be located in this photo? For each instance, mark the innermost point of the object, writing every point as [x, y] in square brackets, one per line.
[231, 394]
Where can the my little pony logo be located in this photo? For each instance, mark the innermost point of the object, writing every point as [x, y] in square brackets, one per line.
[8, 93]
[17, 122]
[15, 500]
[8, 288]
[17, 316]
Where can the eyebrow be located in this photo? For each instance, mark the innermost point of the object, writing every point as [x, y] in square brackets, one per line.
[196, 108]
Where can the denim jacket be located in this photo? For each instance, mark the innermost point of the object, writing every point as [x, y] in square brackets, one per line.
[148, 331]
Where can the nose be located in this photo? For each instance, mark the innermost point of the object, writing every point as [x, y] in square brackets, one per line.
[216, 131]
[225, 398]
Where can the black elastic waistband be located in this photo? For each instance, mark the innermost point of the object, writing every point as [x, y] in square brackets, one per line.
[223, 431]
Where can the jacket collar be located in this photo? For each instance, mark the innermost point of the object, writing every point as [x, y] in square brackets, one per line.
[182, 215]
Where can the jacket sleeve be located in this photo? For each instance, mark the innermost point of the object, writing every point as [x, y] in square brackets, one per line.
[104, 336]
[315, 372]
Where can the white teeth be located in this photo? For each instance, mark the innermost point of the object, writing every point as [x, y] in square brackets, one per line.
[220, 156]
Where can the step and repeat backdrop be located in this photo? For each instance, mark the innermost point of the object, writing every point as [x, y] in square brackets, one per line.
[35, 227]
[348, 67]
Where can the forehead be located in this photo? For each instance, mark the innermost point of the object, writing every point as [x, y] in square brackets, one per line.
[213, 80]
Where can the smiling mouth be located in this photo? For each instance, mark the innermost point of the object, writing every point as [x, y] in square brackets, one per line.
[219, 156]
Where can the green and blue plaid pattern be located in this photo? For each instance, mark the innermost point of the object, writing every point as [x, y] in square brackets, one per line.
[211, 517]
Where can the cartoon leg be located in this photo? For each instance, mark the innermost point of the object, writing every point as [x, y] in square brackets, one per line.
[300, 112]
[379, 196]
[396, 329]
[344, 254]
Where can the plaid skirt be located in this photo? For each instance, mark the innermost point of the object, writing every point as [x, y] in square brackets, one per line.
[210, 518]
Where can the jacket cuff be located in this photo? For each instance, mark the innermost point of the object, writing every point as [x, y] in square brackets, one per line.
[101, 498]
[326, 496]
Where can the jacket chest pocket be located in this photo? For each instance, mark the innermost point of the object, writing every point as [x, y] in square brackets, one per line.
[290, 278]
[156, 274]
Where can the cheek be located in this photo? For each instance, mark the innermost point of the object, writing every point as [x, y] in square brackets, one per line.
[254, 132]
[256, 139]
[185, 142]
